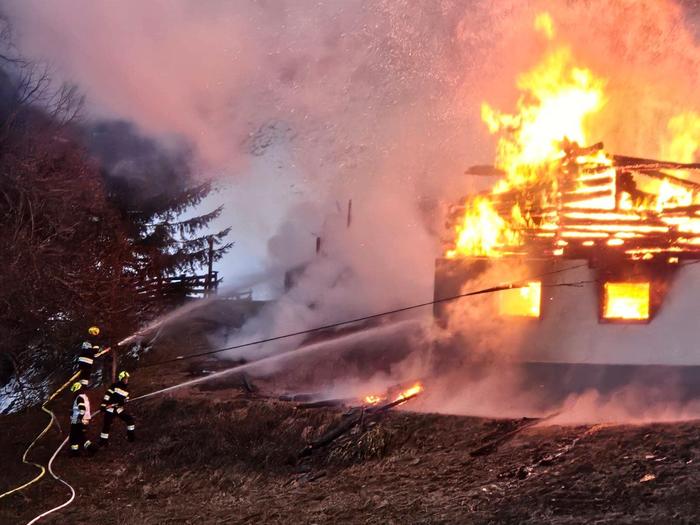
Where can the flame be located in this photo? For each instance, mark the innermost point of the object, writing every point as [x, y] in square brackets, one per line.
[545, 25]
[557, 96]
[672, 196]
[482, 231]
[372, 400]
[522, 302]
[629, 301]
[557, 194]
[409, 393]
[684, 129]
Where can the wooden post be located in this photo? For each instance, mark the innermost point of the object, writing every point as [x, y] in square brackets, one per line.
[211, 267]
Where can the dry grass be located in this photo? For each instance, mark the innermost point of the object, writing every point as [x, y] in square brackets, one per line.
[254, 436]
[374, 443]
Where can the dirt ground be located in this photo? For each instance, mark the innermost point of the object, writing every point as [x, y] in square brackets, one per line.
[223, 455]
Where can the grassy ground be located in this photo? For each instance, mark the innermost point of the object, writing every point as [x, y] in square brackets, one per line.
[224, 456]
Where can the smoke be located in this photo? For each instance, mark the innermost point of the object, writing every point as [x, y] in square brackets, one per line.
[298, 107]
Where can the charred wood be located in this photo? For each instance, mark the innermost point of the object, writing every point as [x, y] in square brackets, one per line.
[638, 163]
[326, 439]
[494, 443]
[485, 171]
[333, 403]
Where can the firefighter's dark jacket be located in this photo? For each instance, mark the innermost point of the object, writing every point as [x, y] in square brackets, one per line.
[87, 355]
[116, 396]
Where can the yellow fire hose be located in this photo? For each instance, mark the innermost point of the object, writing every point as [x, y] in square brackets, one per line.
[42, 469]
[58, 478]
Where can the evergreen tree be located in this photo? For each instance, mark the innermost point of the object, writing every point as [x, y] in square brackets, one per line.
[152, 188]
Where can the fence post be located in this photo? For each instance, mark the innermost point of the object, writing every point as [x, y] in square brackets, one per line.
[210, 268]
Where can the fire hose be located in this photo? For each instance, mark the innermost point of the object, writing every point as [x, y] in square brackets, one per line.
[58, 478]
[240, 367]
[42, 469]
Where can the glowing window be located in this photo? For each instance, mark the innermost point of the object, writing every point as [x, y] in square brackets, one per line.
[626, 301]
[521, 302]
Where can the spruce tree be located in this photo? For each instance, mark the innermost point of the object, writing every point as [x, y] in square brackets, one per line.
[152, 187]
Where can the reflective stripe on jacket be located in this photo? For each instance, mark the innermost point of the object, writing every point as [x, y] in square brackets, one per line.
[116, 395]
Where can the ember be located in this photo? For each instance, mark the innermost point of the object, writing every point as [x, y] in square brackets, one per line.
[372, 400]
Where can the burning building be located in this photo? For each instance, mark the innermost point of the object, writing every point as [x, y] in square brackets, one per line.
[627, 229]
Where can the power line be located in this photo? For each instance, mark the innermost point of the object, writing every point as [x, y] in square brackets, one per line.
[244, 366]
[509, 286]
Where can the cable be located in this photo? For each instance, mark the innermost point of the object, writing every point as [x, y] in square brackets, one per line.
[372, 316]
[56, 477]
[42, 470]
[537, 276]
[334, 325]
[299, 350]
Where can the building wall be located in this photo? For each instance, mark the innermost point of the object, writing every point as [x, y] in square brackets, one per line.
[569, 330]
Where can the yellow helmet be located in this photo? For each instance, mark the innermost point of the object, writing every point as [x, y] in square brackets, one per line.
[76, 386]
[93, 330]
[123, 375]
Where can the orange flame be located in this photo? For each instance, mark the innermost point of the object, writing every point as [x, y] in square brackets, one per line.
[483, 231]
[521, 302]
[557, 97]
[555, 188]
[409, 393]
[684, 142]
[628, 301]
[372, 400]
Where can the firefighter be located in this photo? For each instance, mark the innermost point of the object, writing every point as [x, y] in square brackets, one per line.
[79, 419]
[113, 406]
[88, 350]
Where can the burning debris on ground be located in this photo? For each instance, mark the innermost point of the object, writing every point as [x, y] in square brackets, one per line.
[364, 416]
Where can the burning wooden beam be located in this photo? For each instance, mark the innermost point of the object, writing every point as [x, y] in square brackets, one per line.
[358, 415]
[637, 164]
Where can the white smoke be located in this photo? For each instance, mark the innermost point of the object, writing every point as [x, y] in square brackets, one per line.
[299, 106]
